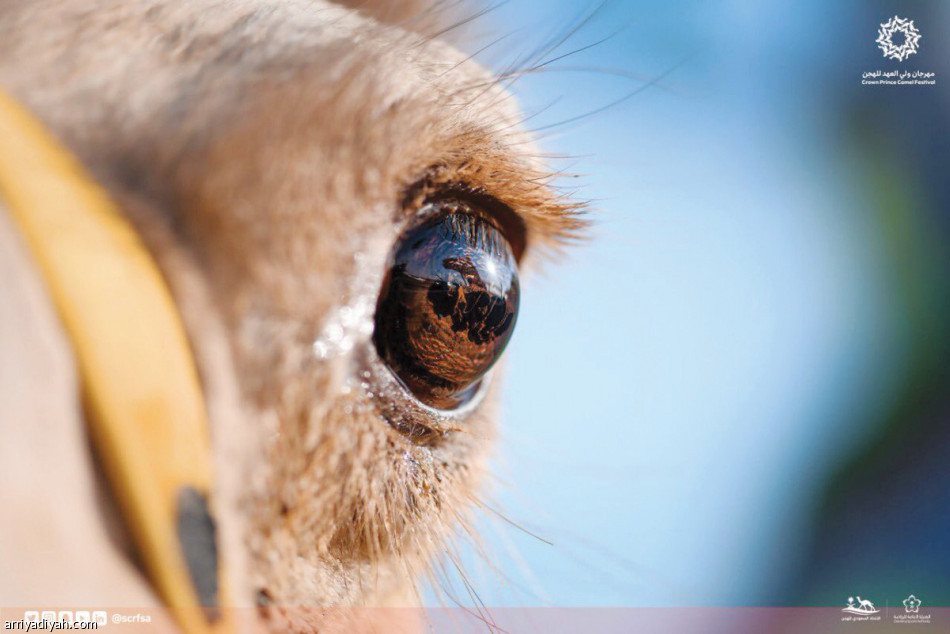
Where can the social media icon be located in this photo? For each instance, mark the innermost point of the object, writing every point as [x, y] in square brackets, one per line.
[66, 615]
[82, 616]
[31, 616]
[48, 615]
[100, 617]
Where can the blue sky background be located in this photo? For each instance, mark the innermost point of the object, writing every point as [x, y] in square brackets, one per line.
[678, 391]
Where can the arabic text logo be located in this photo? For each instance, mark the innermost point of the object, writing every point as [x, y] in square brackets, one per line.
[861, 606]
[906, 34]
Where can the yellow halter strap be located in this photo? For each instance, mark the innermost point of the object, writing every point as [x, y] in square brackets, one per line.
[146, 410]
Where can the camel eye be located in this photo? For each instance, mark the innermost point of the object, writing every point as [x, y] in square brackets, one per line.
[448, 304]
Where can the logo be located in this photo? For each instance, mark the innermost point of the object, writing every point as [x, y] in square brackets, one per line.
[912, 604]
[898, 38]
[862, 607]
[911, 615]
[100, 618]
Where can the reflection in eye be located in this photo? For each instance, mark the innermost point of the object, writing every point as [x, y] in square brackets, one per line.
[448, 305]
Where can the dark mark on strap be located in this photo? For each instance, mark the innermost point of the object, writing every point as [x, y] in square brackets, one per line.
[196, 533]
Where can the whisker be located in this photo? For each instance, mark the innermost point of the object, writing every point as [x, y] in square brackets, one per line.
[502, 517]
[469, 58]
[546, 50]
[467, 20]
[669, 71]
[537, 591]
[542, 65]
[614, 72]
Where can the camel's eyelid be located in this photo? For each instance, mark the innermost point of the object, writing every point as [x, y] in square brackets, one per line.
[531, 212]
[422, 195]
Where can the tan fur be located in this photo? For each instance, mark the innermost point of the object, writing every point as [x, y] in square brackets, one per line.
[269, 154]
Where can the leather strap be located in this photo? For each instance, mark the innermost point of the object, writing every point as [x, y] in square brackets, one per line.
[145, 407]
